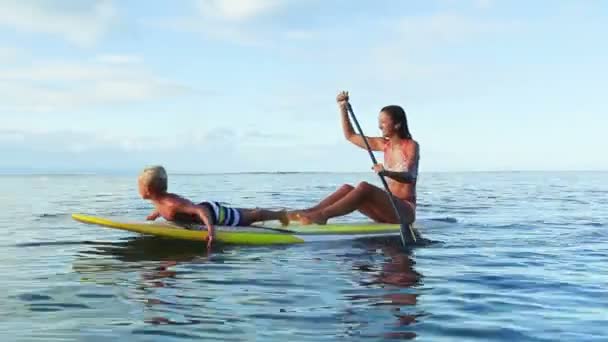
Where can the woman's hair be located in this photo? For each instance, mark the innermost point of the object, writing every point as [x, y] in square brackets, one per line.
[154, 177]
[397, 114]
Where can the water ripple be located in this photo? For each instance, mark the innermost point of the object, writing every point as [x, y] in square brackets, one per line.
[522, 258]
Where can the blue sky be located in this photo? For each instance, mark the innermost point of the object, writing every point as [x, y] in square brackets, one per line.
[237, 85]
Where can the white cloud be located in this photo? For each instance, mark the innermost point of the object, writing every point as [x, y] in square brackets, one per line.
[79, 22]
[11, 136]
[237, 21]
[8, 54]
[88, 140]
[187, 152]
[65, 71]
[303, 35]
[414, 45]
[55, 86]
[235, 33]
[448, 27]
[85, 141]
[484, 3]
[118, 59]
[236, 10]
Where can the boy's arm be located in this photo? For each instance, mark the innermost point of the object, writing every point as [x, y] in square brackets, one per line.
[153, 216]
[200, 212]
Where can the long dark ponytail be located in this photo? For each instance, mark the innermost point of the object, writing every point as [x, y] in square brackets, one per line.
[397, 114]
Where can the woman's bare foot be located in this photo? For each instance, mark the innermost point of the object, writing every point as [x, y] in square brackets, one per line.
[312, 218]
[284, 218]
[294, 215]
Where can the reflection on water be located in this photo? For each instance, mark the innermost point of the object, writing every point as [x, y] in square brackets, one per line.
[172, 280]
[149, 248]
[396, 271]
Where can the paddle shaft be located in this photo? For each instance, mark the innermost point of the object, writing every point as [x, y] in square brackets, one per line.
[410, 237]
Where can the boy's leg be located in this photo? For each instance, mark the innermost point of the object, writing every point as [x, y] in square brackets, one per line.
[250, 216]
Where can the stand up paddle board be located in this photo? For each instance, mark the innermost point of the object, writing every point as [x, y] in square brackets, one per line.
[263, 234]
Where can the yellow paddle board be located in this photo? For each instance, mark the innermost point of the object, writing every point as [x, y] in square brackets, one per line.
[263, 234]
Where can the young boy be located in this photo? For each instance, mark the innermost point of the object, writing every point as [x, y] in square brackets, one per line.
[152, 183]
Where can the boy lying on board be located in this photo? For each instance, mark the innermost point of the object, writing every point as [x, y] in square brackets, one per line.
[152, 183]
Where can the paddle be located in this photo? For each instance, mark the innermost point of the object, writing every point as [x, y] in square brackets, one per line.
[407, 234]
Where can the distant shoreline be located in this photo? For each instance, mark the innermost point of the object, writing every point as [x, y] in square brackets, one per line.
[130, 173]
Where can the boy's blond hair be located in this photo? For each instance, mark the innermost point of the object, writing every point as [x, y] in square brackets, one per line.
[154, 177]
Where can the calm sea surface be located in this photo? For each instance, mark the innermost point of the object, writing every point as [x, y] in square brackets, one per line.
[520, 257]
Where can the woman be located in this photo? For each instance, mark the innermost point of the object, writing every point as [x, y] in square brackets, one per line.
[401, 156]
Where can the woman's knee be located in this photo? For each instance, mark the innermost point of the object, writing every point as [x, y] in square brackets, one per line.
[346, 187]
[364, 186]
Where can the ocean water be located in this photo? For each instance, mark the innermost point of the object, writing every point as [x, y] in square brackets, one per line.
[518, 257]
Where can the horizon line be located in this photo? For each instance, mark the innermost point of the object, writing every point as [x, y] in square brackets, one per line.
[216, 173]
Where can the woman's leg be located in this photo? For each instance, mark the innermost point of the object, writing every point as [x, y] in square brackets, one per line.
[329, 200]
[370, 200]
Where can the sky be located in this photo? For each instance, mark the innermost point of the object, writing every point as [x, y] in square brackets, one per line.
[249, 85]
